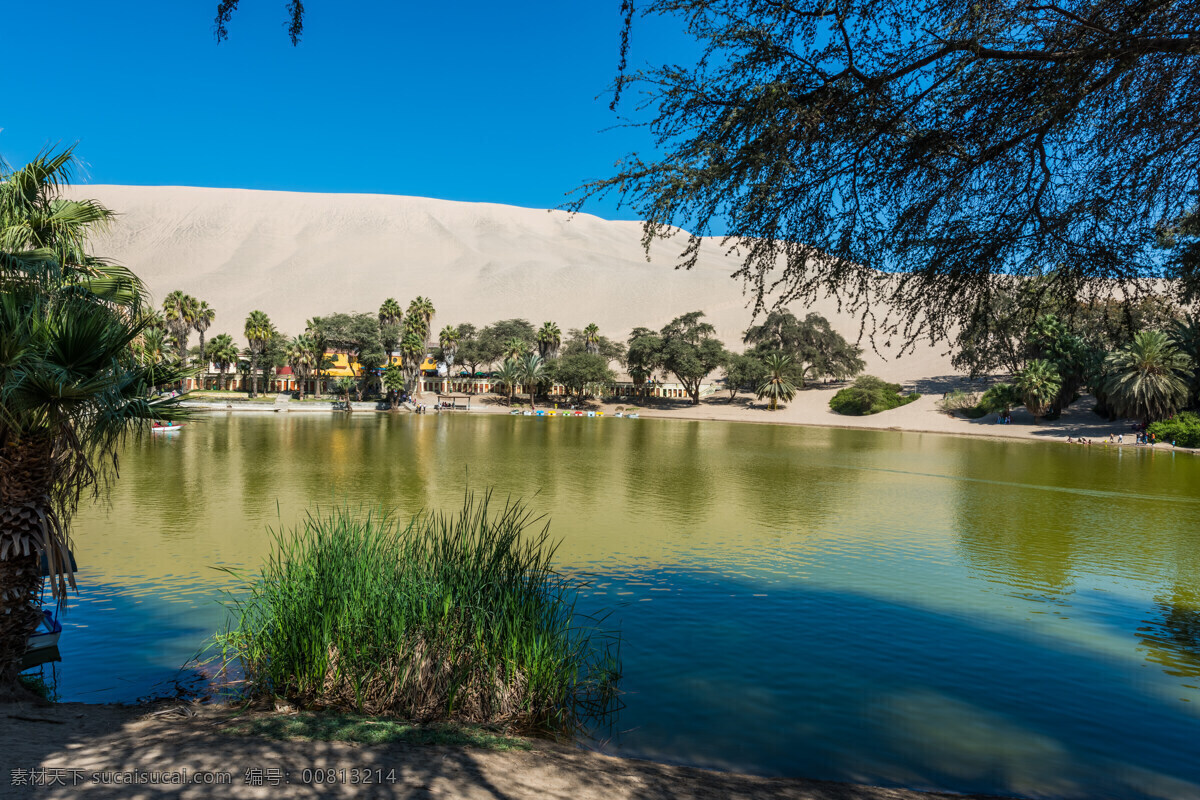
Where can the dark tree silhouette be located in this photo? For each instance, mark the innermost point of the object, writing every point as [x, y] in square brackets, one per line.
[903, 154]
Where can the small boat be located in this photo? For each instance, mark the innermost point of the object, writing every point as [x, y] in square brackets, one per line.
[166, 428]
[47, 634]
[539, 413]
[617, 414]
[516, 412]
[631, 416]
[527, 413]
[591, 413]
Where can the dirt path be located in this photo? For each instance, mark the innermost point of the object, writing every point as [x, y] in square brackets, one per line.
[76, 744]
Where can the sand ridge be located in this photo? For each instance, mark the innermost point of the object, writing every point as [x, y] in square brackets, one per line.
[297, 255]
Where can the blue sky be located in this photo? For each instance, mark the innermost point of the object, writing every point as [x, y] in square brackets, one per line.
[462, 99]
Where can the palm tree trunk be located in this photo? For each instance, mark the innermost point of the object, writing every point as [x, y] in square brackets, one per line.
[26, 472]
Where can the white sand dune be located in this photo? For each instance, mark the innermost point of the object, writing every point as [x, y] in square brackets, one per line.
[297, 255]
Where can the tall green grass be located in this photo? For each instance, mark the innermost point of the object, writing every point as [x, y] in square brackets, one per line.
[450, 617]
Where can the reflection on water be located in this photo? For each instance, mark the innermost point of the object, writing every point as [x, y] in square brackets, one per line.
[872, 606]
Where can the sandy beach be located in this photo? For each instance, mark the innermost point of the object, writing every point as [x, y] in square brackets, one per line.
[75, 743]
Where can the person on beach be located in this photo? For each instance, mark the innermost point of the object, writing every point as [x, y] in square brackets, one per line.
[1120, 438]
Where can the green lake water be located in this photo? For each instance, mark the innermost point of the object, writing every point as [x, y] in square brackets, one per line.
[891, 608]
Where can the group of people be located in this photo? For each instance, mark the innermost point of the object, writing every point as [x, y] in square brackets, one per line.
[1004, 419]
[1140, 437]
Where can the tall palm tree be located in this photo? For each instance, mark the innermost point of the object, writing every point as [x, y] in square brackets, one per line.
[390, 317]
[393, 381]
[71, 385]
[223, 354]
[202, 320]
[179, 311]
[1148, 378]
[153, 345]
[412, 354]
[448, 341]
[778, 384]
[591, 338]
[321, 362]
[515, 348]
[421, 311]
[549, 339]
[533, 372]
[390, 312]
[1186, 333]
[509, 376]
[258, 331]
[299, 353]
[1038, 384]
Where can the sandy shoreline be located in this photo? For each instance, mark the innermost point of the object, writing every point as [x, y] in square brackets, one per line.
[73, 741]
[810, 408]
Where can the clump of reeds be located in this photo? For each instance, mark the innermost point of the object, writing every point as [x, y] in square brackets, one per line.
[451, 617]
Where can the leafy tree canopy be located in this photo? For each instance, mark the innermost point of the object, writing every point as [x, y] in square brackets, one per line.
[944, 144]
[580, 371]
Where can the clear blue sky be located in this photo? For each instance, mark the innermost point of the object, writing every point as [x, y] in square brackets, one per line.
[458, 99]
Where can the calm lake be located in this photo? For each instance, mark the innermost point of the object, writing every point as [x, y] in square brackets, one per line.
[890, 608]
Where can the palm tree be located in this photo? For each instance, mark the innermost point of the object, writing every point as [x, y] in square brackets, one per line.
[533, 372]
[153, 345]
[448, 341]
[515, 348]
[1148, 378]
[259, 331]
[344, 386]
[179, 311]
[71, 385]
[549, 339]
[1038, 384]
[591, 338]
[223, 354]
[202, 320]
[412, 354]
[321, 362]
[778, 384]
[299, 353]
[421, 312]
[393, 381]
[390, 316]
[1186, 333]
[390, 312]
[508, 376]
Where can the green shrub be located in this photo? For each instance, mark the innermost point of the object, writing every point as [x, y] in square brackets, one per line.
[1000, 398]
[1183, 429]
[958, 400]
[869, 395]
[456, 618]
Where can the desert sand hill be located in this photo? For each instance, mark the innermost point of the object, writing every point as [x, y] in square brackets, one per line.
[297, 255]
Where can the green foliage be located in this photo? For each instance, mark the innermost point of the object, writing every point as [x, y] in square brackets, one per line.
[498, 340]
[73, 382]
[686, 347]
[742, 371]
[777, 384]
[816, 350]
[1182, 429]
[453, 617]
[642, 355]
[583, 373]
[1000, 399]
[1038, 385]
[958, 400]
[508, 377]
[1148, 379]
[592, 341]
[869, 395]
